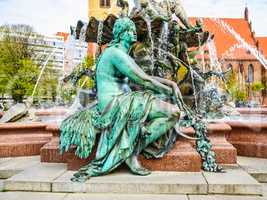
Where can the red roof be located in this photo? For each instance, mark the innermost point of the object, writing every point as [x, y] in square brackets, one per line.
[263, 45]
[63, 34]
[227, 45]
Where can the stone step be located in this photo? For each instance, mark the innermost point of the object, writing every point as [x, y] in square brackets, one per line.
[53, 177]
[182, 158]
[22, 139]
[249, 138]
[82, 196]
[62, 196]
[256, 167]
[11, 166]
[224, 197]
[234, 181]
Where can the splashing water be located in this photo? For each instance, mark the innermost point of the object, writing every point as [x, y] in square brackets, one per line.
[247, 46]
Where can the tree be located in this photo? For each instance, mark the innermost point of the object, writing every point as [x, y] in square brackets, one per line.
[47, 87]
[17, 68]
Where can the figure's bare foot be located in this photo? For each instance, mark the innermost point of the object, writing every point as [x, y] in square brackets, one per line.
[136, 167]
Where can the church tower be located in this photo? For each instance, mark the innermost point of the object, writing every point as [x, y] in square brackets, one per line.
[100, 9]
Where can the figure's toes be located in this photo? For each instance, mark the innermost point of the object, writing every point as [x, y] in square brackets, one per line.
[141, 171]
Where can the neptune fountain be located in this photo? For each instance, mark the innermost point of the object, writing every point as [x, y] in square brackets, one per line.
[146, 89]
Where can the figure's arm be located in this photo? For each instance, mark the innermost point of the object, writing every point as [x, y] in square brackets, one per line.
[127, 66]
[177, 94]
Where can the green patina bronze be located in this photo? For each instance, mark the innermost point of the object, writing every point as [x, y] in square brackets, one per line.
[130, 121]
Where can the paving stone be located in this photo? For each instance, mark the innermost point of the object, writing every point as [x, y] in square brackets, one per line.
[123, 197]
[31, 196]
[36, 178]
[234, 181]
[1, 185]
[2, 160]
[264, 189]
[12, 166]
[224, 197]
[125, 182]
[256, 167]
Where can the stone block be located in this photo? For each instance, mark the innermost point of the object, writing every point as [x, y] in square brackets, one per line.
[22, 139]
[31, 196]
[224, 197]
[235, 181]
[126, 183]
[1, 186]
[256, 167]
[124, 196]
[13, 166]
[217, 132]
[36, 178]
[182, 158]
[250, 138]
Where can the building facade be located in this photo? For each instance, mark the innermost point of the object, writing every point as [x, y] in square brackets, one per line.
[44, 48]
[100, 9]
[74, 52]
[238, 48]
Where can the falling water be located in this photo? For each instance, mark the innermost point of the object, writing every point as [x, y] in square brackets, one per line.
[164, 39]
[214, 61]
[83, 33]
[247, 46]
[193, 81]
[201, 49]
[42, 71]
[100, 32]
[152, 43]
[99, 38]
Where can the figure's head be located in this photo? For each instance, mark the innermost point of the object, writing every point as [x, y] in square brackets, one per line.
[124, 30]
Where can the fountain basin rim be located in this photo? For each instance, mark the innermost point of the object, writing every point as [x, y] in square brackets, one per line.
[22, 125]
[246, 124]
[212, 127]
[252, 110]
[51, 112]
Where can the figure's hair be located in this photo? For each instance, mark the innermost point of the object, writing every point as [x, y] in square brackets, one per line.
[121, 25]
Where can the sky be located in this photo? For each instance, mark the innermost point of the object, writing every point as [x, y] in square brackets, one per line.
[51, 16]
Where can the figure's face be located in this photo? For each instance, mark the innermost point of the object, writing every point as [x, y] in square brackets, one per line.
[130, 36]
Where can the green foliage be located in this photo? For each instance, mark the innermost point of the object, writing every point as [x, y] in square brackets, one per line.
[18, 71]
[240, 95]
[47, 87]
[257, 86]
[234, 89]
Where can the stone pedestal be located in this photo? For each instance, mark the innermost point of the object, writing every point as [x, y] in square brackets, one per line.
[225, 152]
[22, 139]
[183, 157]
[249, 138]
[50, 151]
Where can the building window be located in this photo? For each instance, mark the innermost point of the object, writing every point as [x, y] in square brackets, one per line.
[230, 67]
[105, 3]
[241, 69]
[250, 73]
